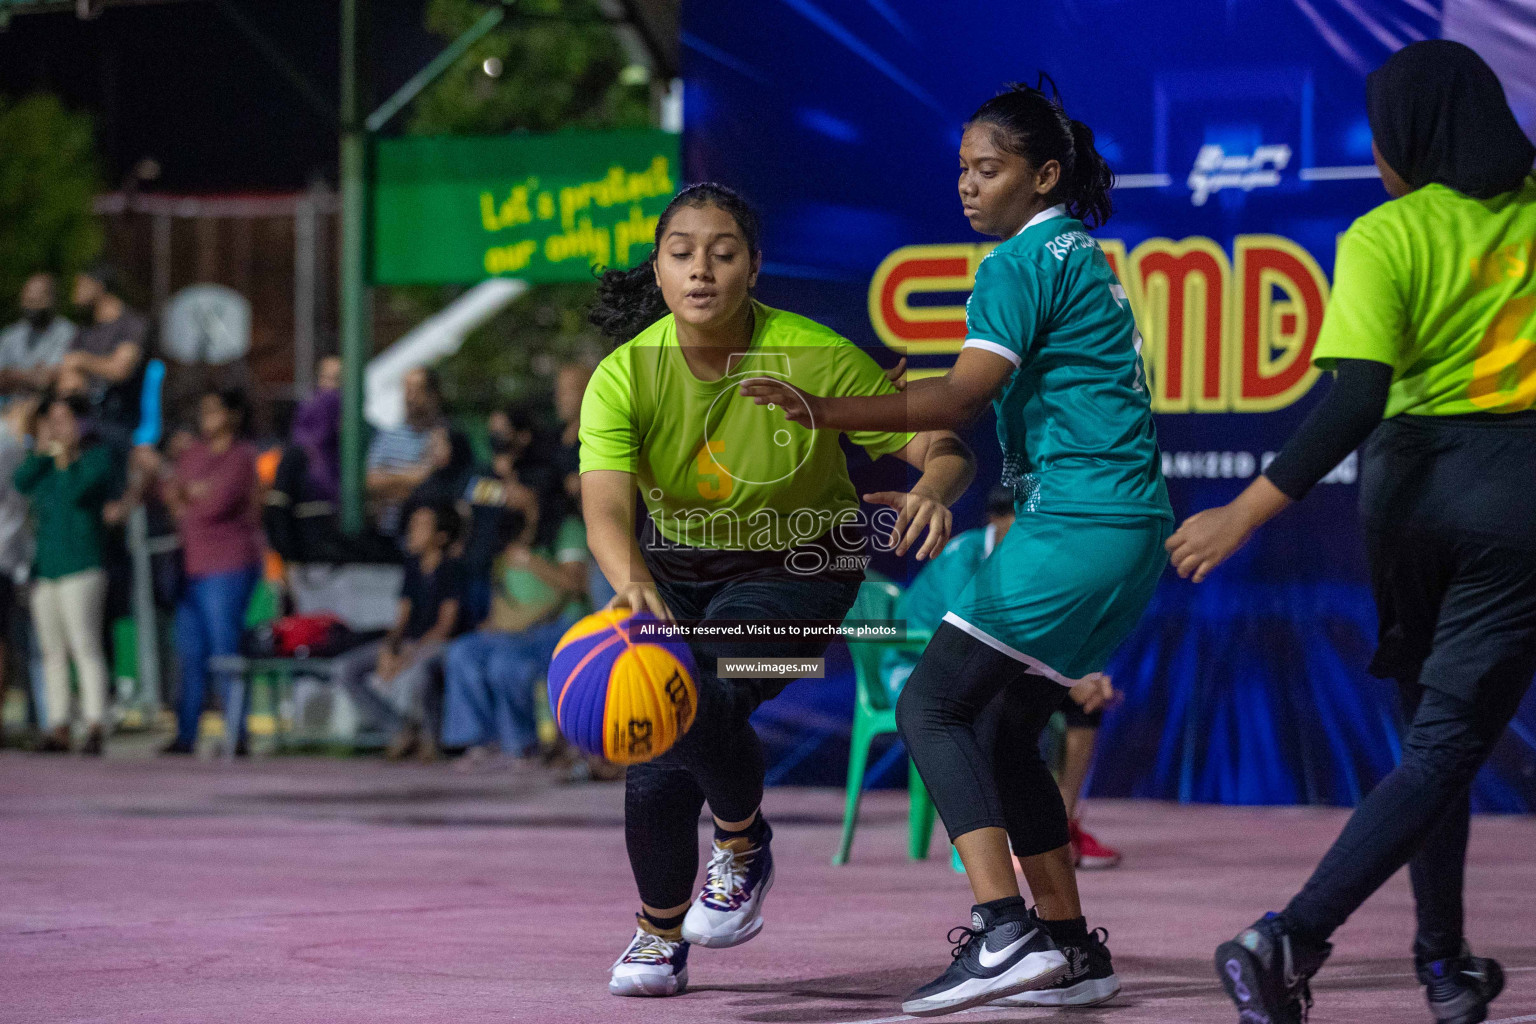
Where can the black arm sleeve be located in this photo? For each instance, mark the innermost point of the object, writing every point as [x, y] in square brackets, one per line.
[1344, 418]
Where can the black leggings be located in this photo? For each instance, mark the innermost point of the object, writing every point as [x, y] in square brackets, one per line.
[719, 760]
[963, 698]
[1459, 631]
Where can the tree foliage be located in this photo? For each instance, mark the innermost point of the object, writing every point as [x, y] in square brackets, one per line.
[561, 66]
[48, 179]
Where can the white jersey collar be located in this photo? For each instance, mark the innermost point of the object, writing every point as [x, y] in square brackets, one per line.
[1059, 210]
[989, 539]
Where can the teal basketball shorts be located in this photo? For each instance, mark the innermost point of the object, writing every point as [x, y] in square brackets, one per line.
[1061, 592]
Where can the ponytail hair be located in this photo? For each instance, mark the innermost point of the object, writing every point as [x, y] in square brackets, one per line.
[1028, 123]
[629, 301]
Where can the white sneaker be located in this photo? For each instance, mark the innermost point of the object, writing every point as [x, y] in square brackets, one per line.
[651, 966]
[729, 909]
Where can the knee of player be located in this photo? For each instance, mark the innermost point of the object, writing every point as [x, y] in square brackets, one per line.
[910, 710]
[1451, 751]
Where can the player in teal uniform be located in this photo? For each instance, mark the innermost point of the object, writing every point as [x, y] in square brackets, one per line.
[1051, 343]
[934, 591]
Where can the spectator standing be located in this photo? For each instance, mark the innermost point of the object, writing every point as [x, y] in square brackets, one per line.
[213, 495]
[68, 481]
[490, 675]
[406, 660]
[107, 355]
[301, 514]
[32, 347]
[328, 375]
[400, 458]
[317, 431]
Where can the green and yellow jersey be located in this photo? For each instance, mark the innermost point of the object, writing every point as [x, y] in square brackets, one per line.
[715, 469]
[1441, 287]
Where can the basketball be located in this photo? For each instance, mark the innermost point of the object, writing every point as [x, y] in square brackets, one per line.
[624, 700]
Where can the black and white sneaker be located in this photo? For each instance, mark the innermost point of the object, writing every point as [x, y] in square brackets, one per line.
[1265, 973]
[1459, 989]
[1089, 980]
[653, 965]
[729, 909]
[997, 956]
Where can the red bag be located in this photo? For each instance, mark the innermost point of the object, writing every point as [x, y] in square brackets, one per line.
[303, 635]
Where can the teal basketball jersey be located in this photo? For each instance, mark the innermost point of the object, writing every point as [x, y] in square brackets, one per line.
[1074, 420]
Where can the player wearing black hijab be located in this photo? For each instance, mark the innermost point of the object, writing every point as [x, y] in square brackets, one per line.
[1432, 333]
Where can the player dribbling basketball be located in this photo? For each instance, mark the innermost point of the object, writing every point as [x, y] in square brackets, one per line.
[743, 515]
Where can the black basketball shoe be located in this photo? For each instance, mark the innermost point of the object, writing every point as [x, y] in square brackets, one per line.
[999, 955]
[1089, 979]
[1265, 972]
[1459, 989]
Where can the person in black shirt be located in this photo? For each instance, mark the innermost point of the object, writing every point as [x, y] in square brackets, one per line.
[406, 661]
[105, 359]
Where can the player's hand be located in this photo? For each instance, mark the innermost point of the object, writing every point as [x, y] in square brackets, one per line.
[897, 374]
[915, 512]
[1206, 539]
[1095, 692]
[641, 597]
[798, 406]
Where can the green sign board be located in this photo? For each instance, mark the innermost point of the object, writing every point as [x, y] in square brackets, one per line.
[455, 210]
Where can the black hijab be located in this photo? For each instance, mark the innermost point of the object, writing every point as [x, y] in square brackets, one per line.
[1438, 114]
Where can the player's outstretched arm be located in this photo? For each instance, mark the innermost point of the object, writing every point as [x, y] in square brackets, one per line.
[950, 402]
[1206, 539]
[1335, 427]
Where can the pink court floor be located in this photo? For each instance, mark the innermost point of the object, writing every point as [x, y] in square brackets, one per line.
[352, 891]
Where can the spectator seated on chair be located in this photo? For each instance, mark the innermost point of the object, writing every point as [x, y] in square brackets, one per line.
[403, 664]
[490, 675]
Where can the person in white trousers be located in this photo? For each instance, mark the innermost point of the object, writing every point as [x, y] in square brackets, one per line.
[68, 483]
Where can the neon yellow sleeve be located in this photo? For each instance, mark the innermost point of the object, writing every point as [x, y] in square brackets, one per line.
[1367, 315]
[609, 436]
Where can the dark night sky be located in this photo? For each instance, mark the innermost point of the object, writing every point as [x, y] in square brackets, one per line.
[180, 83]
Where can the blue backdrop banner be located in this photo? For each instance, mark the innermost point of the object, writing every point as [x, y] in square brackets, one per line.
[1238, 133]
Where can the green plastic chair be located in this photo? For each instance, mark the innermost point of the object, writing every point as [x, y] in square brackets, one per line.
[874, 714]
[264, 606]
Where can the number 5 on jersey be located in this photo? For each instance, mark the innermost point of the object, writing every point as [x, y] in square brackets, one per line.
[715, 482]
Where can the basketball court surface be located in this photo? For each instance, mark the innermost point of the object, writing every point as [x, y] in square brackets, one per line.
[346, 892]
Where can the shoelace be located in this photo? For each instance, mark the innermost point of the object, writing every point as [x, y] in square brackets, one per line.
[648, 949]
[726, 874]
[962, 944]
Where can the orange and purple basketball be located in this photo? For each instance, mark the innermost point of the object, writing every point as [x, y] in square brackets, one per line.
[623, 699]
